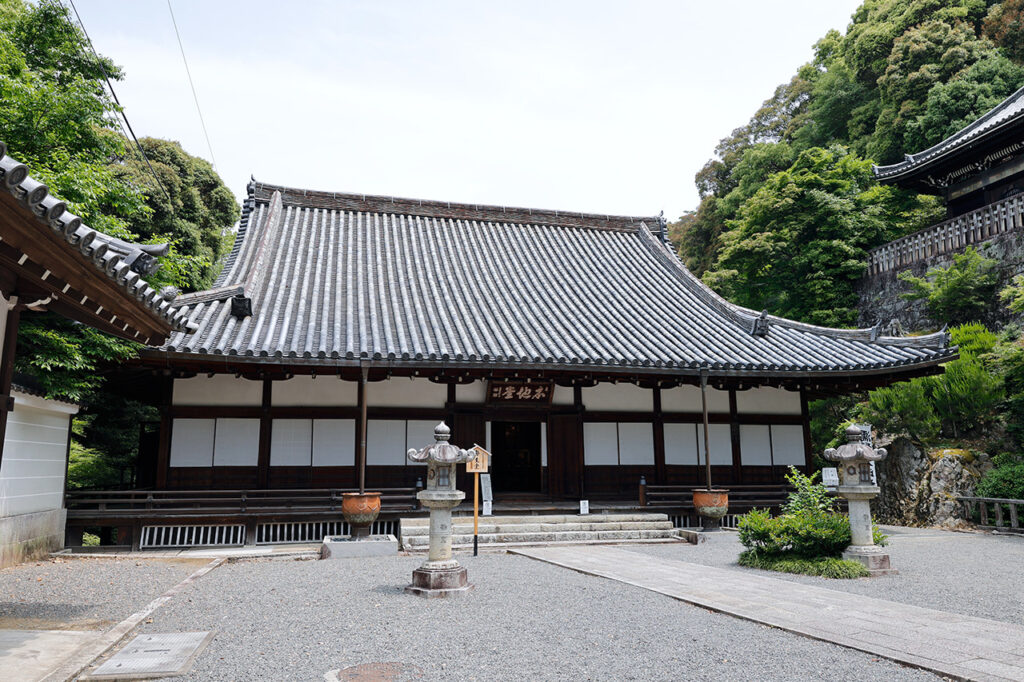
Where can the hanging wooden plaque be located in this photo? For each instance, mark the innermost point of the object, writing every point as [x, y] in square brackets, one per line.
[523, 392]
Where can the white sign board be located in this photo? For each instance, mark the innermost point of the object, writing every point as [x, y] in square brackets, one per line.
[487, 508]
[830, 477]
[485, 487]
[584, 506]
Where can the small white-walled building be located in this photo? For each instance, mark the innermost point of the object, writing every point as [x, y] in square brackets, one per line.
[32, 476]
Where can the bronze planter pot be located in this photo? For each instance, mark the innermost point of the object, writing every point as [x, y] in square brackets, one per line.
[711, 506]
[360, 510]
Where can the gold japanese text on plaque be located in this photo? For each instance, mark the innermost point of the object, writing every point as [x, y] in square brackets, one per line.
[519, 392]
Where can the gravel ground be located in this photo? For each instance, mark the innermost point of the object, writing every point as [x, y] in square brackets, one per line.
[976, 574]
[83, 594]
[297, 620]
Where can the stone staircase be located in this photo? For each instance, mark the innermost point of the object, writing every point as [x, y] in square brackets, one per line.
[556, 529]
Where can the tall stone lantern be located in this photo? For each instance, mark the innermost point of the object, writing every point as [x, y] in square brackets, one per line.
[440, 575]
[854, 460]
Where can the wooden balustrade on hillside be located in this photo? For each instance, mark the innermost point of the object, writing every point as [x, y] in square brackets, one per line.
[977, 226]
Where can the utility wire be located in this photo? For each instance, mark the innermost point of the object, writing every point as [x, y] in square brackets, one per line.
[192, 85]
[113, 94]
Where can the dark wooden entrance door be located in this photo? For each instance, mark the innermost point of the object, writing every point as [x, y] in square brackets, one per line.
[516, 450]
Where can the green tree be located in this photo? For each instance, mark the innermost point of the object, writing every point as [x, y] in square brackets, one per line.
[962, 292]
[799, 244]
[1004, 26]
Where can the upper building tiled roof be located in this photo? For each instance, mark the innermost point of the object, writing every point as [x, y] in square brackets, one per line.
[122, 262]
[1008, 112]
[335, 279]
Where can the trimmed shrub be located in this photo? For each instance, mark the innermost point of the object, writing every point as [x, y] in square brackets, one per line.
[807, 534]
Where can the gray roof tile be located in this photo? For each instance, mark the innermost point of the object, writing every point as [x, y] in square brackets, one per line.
[345, 277]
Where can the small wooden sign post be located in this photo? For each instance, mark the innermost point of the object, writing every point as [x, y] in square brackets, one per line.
[476, 466]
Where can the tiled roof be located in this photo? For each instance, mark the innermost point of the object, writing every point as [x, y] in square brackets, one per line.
[122, 262]
[334, 279]
[1009, 111]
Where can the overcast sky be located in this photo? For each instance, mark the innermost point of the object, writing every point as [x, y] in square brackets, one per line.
[606, 107]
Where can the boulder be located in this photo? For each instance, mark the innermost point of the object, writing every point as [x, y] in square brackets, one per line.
[920, 487]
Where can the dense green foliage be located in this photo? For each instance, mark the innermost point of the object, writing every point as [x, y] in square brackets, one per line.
[1003, 482]
[793, 185]
[825, 567]
[962, 292]
[56, 117]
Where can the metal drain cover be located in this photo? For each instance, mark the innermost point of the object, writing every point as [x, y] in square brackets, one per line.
[154, 655]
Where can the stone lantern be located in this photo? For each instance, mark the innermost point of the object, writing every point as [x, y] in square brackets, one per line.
[854, 460]
[440, 575]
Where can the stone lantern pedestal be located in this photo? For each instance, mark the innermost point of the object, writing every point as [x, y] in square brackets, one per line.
[440, 575]
[854, 460]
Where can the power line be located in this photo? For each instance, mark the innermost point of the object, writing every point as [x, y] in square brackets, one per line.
[192, 85]
[120, 109]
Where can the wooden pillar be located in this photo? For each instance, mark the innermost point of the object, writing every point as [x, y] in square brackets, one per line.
[805, 415]
[10, 343]
[361, 428]
[707, 437]
[734, 437]
[266, 428]
[660, 472]
[163, 452]
[578, 453]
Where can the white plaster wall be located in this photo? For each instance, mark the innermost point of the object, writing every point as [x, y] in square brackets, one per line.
[681, 444]
[767, 400]
[687, 399]
[636, 443]
[402, 392]
[220, 389]
[35, 451]
[788, 444]
[236, 442]
[192, 442]
[334, 442]
[755, 445]
[419, 433]
[385, 442]
[471, 394]
[305, 391]
[720, 440]
[600, 443]
[291, 442]
[562, 395]
[618, 398]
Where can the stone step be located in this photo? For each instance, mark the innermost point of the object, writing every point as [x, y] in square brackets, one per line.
[458, 538]
[502, 546]
[546, 518]
[489, 527]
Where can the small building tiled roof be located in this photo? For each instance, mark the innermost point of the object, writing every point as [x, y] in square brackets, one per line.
[122, 263]
[338, 279]
[1008, 113]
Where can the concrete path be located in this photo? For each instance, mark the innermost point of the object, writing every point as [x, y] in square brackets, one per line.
[949, 644]
[34, 654]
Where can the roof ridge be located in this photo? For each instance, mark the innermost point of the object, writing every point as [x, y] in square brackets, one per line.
[373, 203]
[910, 160]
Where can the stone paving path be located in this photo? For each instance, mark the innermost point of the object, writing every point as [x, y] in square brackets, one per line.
[949, 644]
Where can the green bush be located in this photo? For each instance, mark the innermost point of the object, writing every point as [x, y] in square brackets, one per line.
[90, 540]
[807, 534]
[1005, 482]
[826, 567]
[973, 338]
[808, 494]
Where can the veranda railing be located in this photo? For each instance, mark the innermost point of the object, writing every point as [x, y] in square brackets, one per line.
[995, 512]
[970, 228]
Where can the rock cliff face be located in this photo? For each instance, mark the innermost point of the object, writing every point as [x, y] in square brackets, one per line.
[881, 295]
[920, 488]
